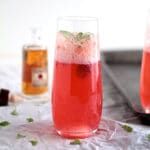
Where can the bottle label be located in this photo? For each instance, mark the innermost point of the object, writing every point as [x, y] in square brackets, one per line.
[39, 77]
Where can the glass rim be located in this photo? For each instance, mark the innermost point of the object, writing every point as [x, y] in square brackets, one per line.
[77, 18]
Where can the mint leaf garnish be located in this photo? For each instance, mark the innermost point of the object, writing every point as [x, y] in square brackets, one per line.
[148, 136]
[14, 112]
[81, 36]
[34, 143]
[30, 119]
[75, 142]
[87, 36]
[67, 33]
[19, 136]
[4, 123]
[127, 128]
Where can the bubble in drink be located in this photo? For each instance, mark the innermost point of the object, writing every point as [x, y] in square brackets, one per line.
[76, 47]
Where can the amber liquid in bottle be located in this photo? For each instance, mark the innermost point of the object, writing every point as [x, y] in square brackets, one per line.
[35, 71]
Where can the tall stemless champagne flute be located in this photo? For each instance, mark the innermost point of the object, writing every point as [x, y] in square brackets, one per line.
[145, 72]
[77, 79]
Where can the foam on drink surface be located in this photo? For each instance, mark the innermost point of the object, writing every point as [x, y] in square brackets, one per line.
[78, 47]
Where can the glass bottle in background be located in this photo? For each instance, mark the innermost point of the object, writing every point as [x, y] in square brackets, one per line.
[77, 79]
[35, 66]
[145, 72]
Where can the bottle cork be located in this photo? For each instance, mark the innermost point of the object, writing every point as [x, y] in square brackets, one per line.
[6, 96]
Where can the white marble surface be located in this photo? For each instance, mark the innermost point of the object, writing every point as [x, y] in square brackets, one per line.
[110, 135]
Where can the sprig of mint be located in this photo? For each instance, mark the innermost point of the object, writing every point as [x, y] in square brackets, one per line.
[127, 128]
[33, 142]
[81, 36]
[66, 33]
[87, 36]
[19, 136]
[30, 119]
[4, 123]
[75, 142]
[14, 112]
[148, 136]
[78, 37]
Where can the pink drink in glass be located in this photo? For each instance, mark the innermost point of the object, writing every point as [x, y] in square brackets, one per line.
[145, 81]
[77, 85]
[145, 72]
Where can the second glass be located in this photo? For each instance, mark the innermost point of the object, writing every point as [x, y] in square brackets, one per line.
[77, 79]
[145, 72]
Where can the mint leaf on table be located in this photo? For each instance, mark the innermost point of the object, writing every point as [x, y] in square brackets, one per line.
[4, 123]
[148, 136]
[127, 128]
[75, 142]
[14, 112]
[30, 119]
[33, 142]
[19, 136]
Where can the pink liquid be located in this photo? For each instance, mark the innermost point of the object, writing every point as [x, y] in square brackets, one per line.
[145, 82]
[77, 98]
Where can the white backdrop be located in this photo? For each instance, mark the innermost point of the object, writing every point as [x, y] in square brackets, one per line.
[122, 22]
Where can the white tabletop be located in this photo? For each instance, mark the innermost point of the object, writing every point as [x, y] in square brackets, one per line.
[110, 135]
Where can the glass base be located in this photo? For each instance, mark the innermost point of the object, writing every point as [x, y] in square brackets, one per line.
[75, 135]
